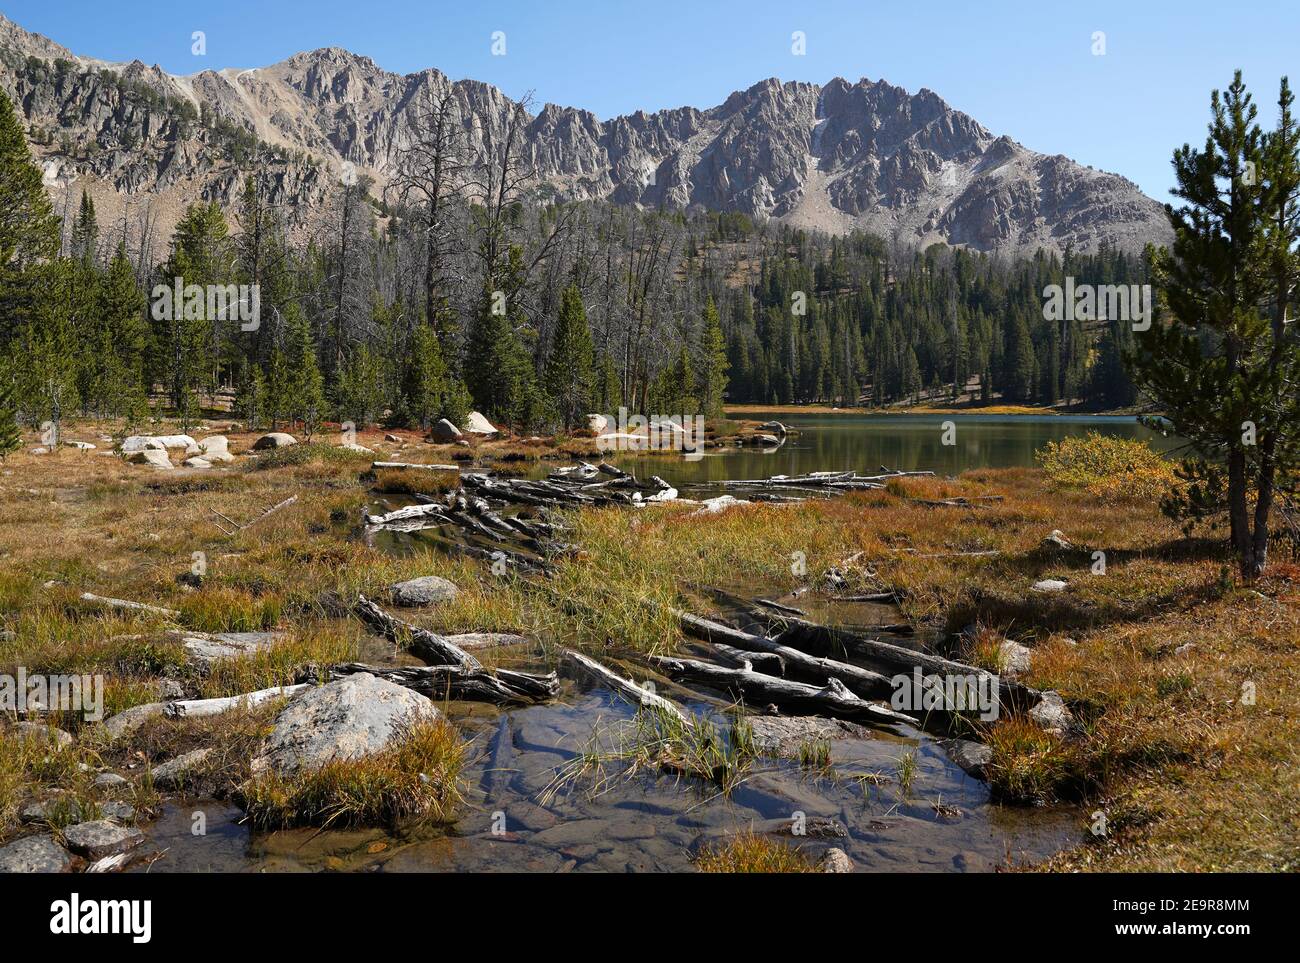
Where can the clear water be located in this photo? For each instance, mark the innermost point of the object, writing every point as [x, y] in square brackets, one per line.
[656, 823]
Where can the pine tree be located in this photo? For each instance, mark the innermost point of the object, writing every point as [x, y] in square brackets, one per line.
[569, 369]
[306, 386]
[31, 229]
[11, 438]
[714, 365]
[85, 231]
[1224, 368]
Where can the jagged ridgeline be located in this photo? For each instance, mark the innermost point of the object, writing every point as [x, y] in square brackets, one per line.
[419, 247]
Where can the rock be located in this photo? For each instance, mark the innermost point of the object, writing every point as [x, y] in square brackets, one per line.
[1057, 540]
[157, 457]
[81, 445]
[274, 439]
[1052, 715]
[214, 443]
[973, 757]
[444, 432]
[1013, 659]
[193, 450]
[347, 719]
[600, 424]
[204, 650]
[393, 438]
[122, 812]
[101, 838]
[218, 457]
[359, 449]
[1184, 648]
[773, 426]
[476, 424]
[44, 733]
[426, 590]
[34, 854]
[174, 773]
[136, 443]
[129, 720]
[110, 780]
[711, 506]
[783, 735]
[1050, 585]
[196, 462]
[835, 860]
[764, 439]
[40, 451]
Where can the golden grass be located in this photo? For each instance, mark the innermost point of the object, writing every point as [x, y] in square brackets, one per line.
[751, 853]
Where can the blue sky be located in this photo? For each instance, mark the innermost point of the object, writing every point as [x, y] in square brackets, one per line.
[1026, 69]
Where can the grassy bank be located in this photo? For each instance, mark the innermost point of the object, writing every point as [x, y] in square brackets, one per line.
[1185, 684]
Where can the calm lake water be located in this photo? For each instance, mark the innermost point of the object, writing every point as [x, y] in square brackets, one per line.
[833, 441]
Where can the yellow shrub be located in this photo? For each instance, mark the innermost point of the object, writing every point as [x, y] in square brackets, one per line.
[1106, 466]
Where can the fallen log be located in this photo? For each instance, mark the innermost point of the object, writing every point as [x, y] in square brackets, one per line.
[429, 646]
[455, 682]
[128, 605]
[196, 708]
[803, 632]
[833, 699]
[638, 696]
[399, 465]
[766, 662]
[861, 681]
[486, 640]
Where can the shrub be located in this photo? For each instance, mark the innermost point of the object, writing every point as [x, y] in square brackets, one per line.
[1107, 467]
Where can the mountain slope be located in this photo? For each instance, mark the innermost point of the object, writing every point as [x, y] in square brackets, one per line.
[835, 157]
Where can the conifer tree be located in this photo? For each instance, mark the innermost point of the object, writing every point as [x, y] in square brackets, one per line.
[569, 369]
[714, 365]
[11, 438]
[29, 229]
[1224, 369]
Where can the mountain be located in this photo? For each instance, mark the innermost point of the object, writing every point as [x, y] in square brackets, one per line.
[836, 157]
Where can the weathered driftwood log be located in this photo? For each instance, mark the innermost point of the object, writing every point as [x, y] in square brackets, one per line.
[429, 646]
[638, 696]
[486, 640]
[861, 681]
[129, 606]
[833, 699]
[194, 708]
[455, 682]
[399, 465]
[407, 514]
[801, 632]
[758, 661]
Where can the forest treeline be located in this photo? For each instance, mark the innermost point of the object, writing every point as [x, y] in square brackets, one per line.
[463, 285]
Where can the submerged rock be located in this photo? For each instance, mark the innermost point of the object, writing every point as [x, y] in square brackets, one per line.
[973, 757]
[348, 719]
[34, 854]
[425, 590]
[101, 838]
[783, 735]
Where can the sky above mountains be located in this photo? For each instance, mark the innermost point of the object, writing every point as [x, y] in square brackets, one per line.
[1116, 85]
